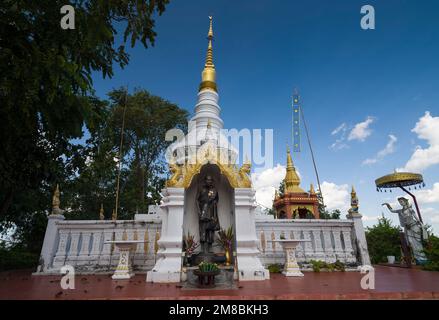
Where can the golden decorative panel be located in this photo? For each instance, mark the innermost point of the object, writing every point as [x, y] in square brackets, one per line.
[182, 174]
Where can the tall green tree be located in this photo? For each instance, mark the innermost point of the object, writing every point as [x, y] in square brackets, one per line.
[146, 119]
[45, 89]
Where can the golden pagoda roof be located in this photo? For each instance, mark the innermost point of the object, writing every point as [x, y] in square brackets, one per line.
[292, 180]
[208, 76]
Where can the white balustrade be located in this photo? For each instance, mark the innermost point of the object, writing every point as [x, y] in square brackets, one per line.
[82, 244]
[330, 240]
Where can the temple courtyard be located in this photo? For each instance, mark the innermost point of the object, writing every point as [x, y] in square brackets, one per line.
[390, 283]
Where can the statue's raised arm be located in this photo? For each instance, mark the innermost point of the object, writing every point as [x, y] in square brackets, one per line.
[391, 209]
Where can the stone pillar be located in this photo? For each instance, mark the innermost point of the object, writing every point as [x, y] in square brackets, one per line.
[249, 266]
[50, 244]
[360, 238]
[168, 267]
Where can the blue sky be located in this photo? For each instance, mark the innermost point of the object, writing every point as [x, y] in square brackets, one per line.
[263, 49]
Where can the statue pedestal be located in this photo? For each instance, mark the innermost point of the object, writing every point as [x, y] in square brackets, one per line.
[168, 266]
[124, 269]
[291, 268]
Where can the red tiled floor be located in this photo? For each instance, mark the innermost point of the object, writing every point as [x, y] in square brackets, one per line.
[391, 283]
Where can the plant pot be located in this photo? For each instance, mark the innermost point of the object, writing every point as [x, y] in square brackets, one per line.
[206, 279]
[390, 259]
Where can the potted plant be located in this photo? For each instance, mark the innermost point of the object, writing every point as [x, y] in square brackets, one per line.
[225, 239]
[189, 247]
[390, 259]
[206, 273]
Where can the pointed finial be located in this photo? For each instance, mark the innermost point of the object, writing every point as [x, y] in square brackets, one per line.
[55, 199]
[56, 210]
[101, 212]
[210, 33]
[247, 161]
[353, 190]
[311, 189]
[289, 159]
[208, 76]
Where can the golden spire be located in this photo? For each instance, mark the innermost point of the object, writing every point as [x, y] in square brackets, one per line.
[55, 199]
[353, 190]
[311, 190]
[208, 76]
[292, 180]
[101, 212]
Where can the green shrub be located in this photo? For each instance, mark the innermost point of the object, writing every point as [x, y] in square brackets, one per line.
[275, 268]
[318, 265]
[17, 258]
[383, 240]
[432, 252]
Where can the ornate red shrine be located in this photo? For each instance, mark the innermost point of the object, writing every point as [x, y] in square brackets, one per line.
[295, 203]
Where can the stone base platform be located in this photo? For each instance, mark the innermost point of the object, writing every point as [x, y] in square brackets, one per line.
[391, 283]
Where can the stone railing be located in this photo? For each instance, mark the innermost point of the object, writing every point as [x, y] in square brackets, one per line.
[330, 240]
[81, 244]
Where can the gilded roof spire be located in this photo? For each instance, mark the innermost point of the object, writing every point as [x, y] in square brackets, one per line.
[292, 180]
[208, 76]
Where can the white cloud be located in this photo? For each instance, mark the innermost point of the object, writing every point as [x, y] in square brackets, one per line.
[427, 128]
[389, 149]
[428, 195]
[336, 196]
[342, 127]
[361, 130]
[266, 182]
[339, 145]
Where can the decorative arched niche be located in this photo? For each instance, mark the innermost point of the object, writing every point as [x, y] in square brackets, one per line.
[226, 195]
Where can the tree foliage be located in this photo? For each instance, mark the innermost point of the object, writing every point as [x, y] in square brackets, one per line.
[147, 118]
[383, 240]
[46, 91]
[431, 249]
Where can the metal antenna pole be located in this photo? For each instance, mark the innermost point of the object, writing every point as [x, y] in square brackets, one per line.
[120, 151]
[312, 152]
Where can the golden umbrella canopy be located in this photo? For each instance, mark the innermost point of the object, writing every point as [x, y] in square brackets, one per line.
[402, 180]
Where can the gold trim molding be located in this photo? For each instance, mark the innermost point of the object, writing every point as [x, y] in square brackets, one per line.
[183, 174]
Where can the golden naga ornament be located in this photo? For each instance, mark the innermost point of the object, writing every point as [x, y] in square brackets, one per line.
[183, 174]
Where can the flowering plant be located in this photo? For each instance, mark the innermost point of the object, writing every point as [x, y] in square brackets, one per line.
[190, 244]
[225, 238]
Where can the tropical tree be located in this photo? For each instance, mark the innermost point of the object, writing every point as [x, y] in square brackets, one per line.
[46, 92]
[145, 119]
